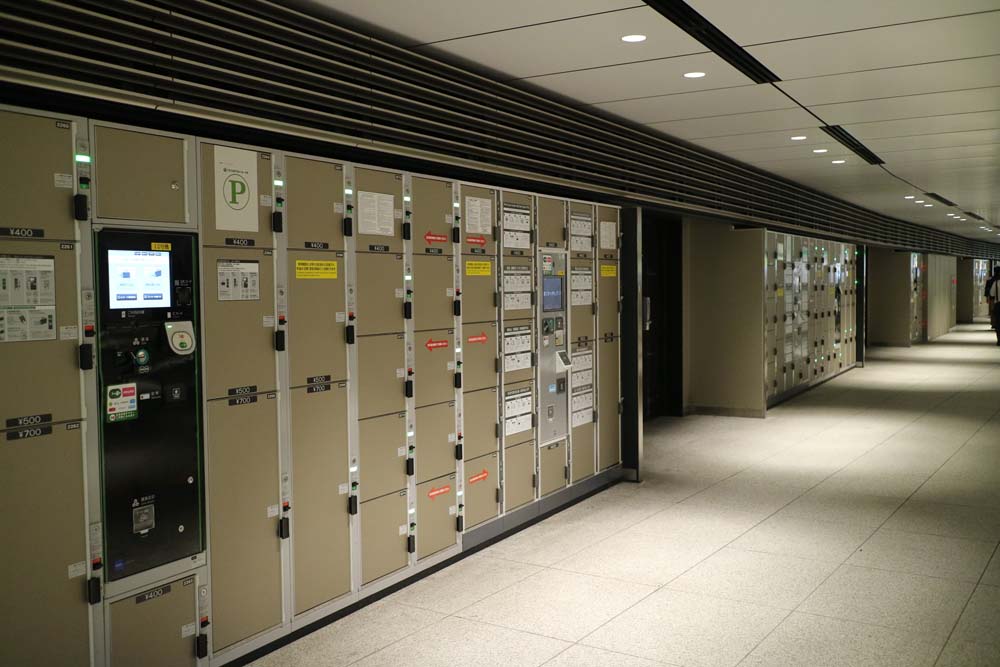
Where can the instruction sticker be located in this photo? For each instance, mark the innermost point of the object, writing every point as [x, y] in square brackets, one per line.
[121, 403]
[315, 269]
[238, 280]
[27, 298]
[479, 215]
[478, 268]
[63, 180]
[609, 236]
[609, 270]
[376, 213]
[235, 189]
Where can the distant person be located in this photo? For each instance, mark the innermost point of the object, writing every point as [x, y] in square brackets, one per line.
[993, 298]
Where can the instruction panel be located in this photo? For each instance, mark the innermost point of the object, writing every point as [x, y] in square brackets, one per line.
[27, 298]
[581, 286]
[609, 236]
[479, 215]
[517, 217]
[238, 280]
[518, 405]
[376, 213]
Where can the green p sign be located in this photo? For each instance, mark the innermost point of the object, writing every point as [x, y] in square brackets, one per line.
[235, 192]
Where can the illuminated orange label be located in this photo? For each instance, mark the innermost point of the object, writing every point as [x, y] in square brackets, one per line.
[440, 491]
[480, 476]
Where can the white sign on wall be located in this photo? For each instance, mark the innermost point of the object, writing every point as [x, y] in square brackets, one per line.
[236, 189]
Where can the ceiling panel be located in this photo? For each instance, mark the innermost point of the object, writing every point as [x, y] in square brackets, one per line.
[648, 78]
[893, 46]
[754, 140]
[948, 139]
[910, 106]
[573, 44]
[946, 153]
[756, 21]
[423, 21]
[893, 82]
[795, 150]
[717, 126]
[988, 120]
[700, 104]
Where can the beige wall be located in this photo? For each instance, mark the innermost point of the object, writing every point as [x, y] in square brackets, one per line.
[888, 297]
[941, 295]
[724, 316]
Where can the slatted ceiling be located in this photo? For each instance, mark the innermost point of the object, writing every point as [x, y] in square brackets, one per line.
[699, 104]
[662, 76]
[572, 44]
[793, 154]
[740, 123]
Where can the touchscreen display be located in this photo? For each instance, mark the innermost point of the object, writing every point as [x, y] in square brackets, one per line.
[138, 279]
[552, 293]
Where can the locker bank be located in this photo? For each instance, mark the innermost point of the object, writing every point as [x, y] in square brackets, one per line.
[297, 314]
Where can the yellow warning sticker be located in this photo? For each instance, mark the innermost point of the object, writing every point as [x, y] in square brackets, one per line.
[315, 269]
[781, 291]
[160, 246]
[478, 268]
[609, 270]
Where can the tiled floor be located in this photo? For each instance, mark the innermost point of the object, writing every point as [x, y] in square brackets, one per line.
[856, 525]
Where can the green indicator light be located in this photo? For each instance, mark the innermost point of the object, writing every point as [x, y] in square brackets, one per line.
[278, 183]
[80, 157]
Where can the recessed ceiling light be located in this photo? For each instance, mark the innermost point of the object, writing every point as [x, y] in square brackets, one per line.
[909, 197]
[963, 219]
[919, 201]
[928, 205]
[693, 75]
[839, 161]
[819, 150]
[632, 39]
[799, 137]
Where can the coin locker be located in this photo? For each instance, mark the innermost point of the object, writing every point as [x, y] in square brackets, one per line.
[434, 366]
[317, 317]
[378, 214]
[380, 293]
[479, 356]
[480, 422]
[436, 439]
[314, 206]
[519, 475]
[517, 350]
[236, 196]
[432, 217]
[437, 514]
[607, 288]
[140, 621]
[552, 222]
[608, 398]
[518, 289]
[479, 291]
[518, 412]
[382, 374]
[478, 220]
[384, 536]
[320, 479]
[517, 224]
[482, 489]
[552, 464]
[581, 230]
[433, 292]
[581, 299]
[582, 407]
[383, 455]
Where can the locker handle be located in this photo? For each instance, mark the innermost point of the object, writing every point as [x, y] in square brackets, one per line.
[457, 308]
[411, 544]
[80, 208]
[348, 226]
[86, 356]
[201, 646]
[94, 590]
[352, 505]
[534, 481]
[410, 467]
[408, 310]
[279, 341]
[284, 528]
[458, 380]
[460, 524]
[277, 222]
[456, 234]
[458, 452]
[406, 230]
[498, 495]
[349, 334]
[409, 388]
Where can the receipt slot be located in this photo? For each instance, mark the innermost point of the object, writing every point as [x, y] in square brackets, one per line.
[554, 362]
[149, 389]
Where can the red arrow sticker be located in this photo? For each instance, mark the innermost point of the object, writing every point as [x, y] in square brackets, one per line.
[481, 338]
[440, 491]
[435, 238]
[476, 240]
[432, 344]
[480, 476]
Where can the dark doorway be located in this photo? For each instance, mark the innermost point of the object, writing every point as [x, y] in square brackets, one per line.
[663, 303]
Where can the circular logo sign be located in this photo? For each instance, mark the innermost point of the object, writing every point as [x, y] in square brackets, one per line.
[236, 192]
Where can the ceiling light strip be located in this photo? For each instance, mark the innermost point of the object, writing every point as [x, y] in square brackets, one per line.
[848, 141]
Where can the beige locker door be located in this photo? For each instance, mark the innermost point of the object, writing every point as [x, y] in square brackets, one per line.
[39, 168]
[583, 452]
[479, 210]
[314, 204]
[519, 475]
[156, 628]
[606, 236]
[433, 292]
[380, 293]
[482, 486]
[581, 225]
[44, 610]
[437, 515]
[551, 223]
[383, 455]
[140, 176]
[317, 316]
[434, 352]
[239, 329]
[479, 356]
[607, 299]
[607, 397]
[243, 506]
[435, 441]
[581, 312]
[48, 361]
[381, 375]
[321, 532]
[433, 217]
[257, 191]
[517, 303]
[376, 193]
[384, 529]
[513, 362]
[552, 465]
[479, 289]
[480, 422]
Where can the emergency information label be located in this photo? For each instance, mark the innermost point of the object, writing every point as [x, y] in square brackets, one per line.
[238, 280]
[27, 298]
[315, 269]
[121, 403]
[376, 213]
[478, 268]
[479, 215]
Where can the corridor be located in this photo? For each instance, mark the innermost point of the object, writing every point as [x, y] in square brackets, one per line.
[857, 525]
